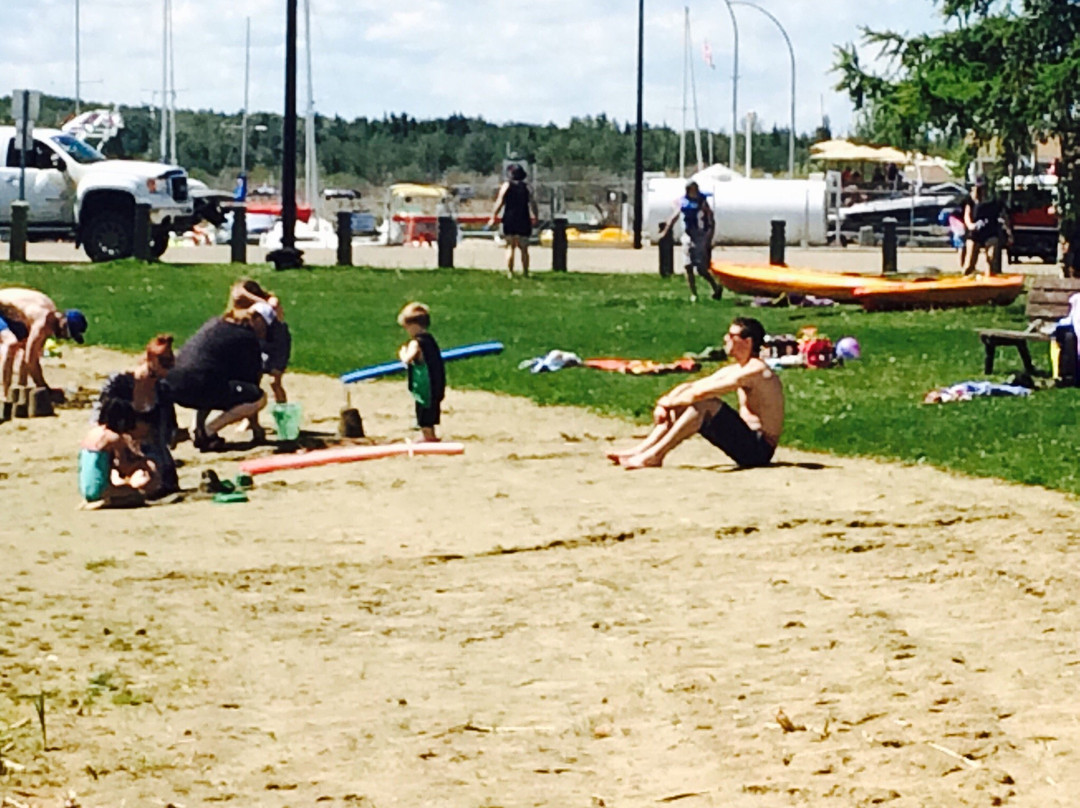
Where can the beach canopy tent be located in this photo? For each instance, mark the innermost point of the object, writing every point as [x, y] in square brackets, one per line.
[914, 164]
[417, 191]
[844, 151]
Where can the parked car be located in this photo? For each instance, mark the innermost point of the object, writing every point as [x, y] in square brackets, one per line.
[1034, 222]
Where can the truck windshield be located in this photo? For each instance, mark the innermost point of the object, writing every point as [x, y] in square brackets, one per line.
[77, 150]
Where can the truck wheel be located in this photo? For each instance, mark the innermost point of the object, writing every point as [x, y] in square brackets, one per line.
[109, 236]
[159, 242]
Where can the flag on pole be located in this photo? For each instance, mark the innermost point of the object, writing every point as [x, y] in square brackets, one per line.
[706, 51]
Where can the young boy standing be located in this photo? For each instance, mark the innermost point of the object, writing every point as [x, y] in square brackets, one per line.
[427, 374]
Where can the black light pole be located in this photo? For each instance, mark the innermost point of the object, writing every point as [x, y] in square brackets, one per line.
[639, 162]
[288, 257]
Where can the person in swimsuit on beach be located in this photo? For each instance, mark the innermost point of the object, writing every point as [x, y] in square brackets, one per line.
[748, 436]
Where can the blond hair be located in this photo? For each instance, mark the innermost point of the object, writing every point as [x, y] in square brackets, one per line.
[415, 314]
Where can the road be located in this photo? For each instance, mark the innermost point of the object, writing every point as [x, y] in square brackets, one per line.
[476, 254]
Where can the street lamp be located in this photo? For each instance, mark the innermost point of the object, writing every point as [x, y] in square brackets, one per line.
[734, 87]
[791, 53]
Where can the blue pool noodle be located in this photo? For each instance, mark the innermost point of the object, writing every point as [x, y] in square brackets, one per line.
[388, 368]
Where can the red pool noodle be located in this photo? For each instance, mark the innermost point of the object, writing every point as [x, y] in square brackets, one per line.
[346, 454]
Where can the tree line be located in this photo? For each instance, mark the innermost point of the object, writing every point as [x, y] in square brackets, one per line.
[398, 147]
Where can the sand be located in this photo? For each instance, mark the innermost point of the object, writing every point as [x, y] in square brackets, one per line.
[528, 625]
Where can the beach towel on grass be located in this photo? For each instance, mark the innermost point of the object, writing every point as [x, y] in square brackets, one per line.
[965, 391]
[643, 367]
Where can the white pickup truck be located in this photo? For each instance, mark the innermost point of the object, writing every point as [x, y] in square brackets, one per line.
[75, 192]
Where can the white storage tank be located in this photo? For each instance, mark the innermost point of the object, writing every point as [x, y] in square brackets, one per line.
[744, 208]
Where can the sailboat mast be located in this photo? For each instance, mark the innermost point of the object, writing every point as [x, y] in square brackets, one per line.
[685, 68]
[243, 119]
[311, 167]
[172, 88]
[693, 94]
[164, 79]
[78, 81]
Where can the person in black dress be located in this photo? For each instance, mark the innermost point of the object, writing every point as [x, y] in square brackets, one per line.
[518, 207]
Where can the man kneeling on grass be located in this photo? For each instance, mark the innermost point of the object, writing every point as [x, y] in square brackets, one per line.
[748, 437]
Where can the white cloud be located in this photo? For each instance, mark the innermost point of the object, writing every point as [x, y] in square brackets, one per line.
[536, 62]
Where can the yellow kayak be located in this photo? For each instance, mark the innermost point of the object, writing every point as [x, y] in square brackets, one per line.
[609, 236]
[769, 281]
[946, 292]
[872, 292]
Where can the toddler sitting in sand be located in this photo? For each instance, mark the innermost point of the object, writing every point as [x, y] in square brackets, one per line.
[113, 472]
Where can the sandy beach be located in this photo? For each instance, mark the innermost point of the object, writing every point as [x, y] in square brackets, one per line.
[529, 625]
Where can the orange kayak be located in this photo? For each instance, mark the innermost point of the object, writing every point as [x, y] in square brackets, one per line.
[769, 281]
[872, 292]
[941, 293]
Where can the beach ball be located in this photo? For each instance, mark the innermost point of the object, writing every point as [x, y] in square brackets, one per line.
[847, 348]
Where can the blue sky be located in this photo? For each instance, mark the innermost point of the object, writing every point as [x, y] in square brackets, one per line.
[539, 62]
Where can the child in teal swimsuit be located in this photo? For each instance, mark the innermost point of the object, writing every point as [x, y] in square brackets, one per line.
[112, 470]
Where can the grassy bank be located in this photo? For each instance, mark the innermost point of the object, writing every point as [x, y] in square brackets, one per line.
[342, 319]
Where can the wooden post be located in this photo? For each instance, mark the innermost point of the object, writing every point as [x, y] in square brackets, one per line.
[238, 237]
[777, 242]
[344, 238]
[446, 237]
[888, 245]
[140, 233]
[20, 214]
[559, 245]
[667, 255]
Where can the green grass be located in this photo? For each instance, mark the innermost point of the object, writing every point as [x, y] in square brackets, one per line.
[344, 318]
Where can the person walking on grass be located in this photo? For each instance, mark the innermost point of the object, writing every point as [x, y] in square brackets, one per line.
[699, 226]
[748, 436]
[427, 374]
[518, 207]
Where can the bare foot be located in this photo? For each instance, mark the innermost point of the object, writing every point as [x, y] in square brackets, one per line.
[618, 457]
[642, 462]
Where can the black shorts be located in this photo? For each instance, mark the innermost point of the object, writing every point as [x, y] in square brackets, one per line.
[198, 392]
[730, 434]
[278, 349]
[16, 327]
[428, 416]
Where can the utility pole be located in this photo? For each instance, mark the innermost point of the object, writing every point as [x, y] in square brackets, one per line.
[639, 162]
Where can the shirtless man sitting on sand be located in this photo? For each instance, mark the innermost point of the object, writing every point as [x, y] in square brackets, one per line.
[28, 318]
[749, 436]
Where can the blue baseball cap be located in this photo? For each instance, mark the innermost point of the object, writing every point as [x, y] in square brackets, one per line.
[76, 324]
